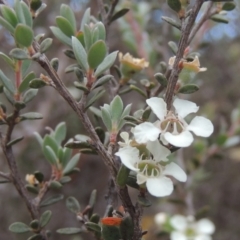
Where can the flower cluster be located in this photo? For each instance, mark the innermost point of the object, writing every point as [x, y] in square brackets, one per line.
[146, 154]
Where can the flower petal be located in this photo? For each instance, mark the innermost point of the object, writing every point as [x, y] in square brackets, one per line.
[159, 187]
[158, 106]
[158, 151]
[184, 107]
[160, 218]
[184, 139]
[205, 226]
[141, 178]
[172, 169]
[179, 222]
[145, 132]
[203, 237]
[201, 126]
[178, 236]
[129, 156]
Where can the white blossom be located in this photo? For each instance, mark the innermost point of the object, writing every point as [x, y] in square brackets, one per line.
[152, 171]
[171, 126]
[186, 228]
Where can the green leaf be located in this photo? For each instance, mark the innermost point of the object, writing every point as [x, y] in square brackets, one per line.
[97, 53]
[27, 14]
[34, 224]
[101, 31]
[188, 89]
[55, 63]
[229, 6]
[106, 64]
[52, 200]
[19, 227]
[73, 205]
[60, 132]
[31, 116]
[51, 142]
[9, 96]
[173, 47]
[24, 84]
[39, 138]
[8, 60]
[35, 237]
[7, 25]
[19, 12]
[81, 86]
[106, 117]
[65, 179]
[94, 99]
[161, 79]
[93, 227]
[23, 35]
[122, 176]
[140, 91]
[14, 141]
[37, 83]
[172, 22]
[80, 54]
[45, 218]
[93, 198]
[55, 185]
[116, 109]
[45, 45]
[69, 230]
[9, 15]
[7, 83]
[68, 13]
[50, 155]
[65, 26]
[31, 189]
[67, 153]
[86, 18]
[29, 95]
[102, 81]
[19, 54]
[61, 36]
[145, 202]
[35, 5]
[119, 14]
[25, 65]
[219, 18]
[87, 34]
[71, 164]
[127, 227]
[174, 5]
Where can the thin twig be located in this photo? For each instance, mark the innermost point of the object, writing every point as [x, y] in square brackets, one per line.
[183, 43]
[6, 176]
[207, 14]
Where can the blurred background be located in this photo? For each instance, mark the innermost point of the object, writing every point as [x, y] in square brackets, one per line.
[215, 186]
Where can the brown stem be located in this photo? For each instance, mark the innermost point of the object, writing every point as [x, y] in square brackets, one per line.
[102, 151]
[15, 176]
[183, 43]
[207, 14]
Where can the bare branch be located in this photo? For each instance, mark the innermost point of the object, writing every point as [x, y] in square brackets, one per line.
[183, 43]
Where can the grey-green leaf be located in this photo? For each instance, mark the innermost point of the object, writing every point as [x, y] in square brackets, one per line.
[45, 218]
[73, 204]
[24, 84]
[188, 89]
[116, 109]
[61, 36]
[23, 35]
[7, 82]
[106, 64]
[71, 164]
[96, 54]
[29, 95]
[60, 132]
[45, 45]
[52, 200]
[65, 26]
[80, 53]
[69, 230]
[19, 54]
[68, 13]
[19, 227]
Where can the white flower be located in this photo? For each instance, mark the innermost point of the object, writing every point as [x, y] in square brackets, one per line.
[172, 127]
[126, 139]
[152, 171]
[160, 218]
[186, 228]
